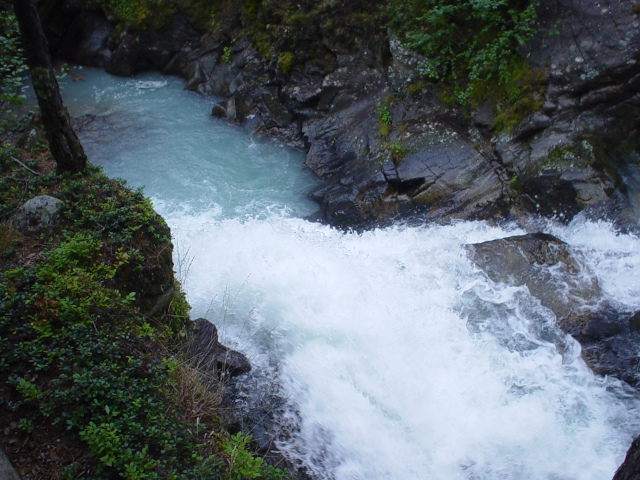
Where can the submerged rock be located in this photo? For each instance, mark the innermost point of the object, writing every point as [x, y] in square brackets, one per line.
[563, 283]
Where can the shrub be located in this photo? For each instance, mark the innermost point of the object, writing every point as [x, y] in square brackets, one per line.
[13, 69]
[470, 44]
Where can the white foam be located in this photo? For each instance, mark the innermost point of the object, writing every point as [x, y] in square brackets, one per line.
[614, 257]
[382, 373]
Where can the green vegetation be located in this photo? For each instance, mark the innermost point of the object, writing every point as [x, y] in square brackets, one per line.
[77, 356]
[466, 42]
[286, 60]
[299, 19]
[397, 151]
[13, 69]
[470, 46]
[384, 116]
[139, 14]
[226, 55]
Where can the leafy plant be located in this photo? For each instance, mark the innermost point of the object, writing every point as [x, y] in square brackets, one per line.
[13, 69]
[226, 55]
[466, 43]
[397, 151]
[384, 116]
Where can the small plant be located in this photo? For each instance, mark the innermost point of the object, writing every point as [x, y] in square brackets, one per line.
[397, 151]
[28, 390]
[299, 19]
[470, 44]
[244, 465]
[286, 60]
[226, 55]
[383, 114]
[415, 88]
[26, 425]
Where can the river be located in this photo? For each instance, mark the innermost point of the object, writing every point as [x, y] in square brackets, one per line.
[381, 348]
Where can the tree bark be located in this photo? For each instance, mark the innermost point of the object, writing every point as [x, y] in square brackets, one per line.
[63, 142]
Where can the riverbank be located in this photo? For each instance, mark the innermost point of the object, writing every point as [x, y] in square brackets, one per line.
[97, 375]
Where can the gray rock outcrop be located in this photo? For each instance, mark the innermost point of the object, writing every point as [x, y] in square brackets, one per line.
[563, 283]
[381, 139]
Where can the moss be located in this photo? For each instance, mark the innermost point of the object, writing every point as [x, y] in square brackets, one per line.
[364, 19]
[299, 19]
[564, 158]
[414, 89]
[140, 14]
[384, 129]
[604, 157]
[515, 100]
[397, 151]
[514, 184]
[447, 94]
[286, 60]
[203, 15]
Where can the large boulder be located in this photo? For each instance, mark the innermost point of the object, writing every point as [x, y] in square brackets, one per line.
[563, 283]
[38, 214]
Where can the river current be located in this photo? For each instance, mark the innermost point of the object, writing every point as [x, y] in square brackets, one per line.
[386, 350]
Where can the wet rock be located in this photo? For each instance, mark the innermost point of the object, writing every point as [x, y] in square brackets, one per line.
[630, 468]
[86, 40]
[446, 174]
[151, 50]
[226, 108]
[563, 283]
[210, 354]
[38, 214]
[196, 75]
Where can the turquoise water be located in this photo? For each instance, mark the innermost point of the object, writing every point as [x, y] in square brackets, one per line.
[155, 134]
[364, 337]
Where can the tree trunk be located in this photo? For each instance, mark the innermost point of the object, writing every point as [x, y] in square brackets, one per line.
[63, 142]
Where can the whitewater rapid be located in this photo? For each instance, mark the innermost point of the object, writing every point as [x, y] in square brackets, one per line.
[391, 354]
